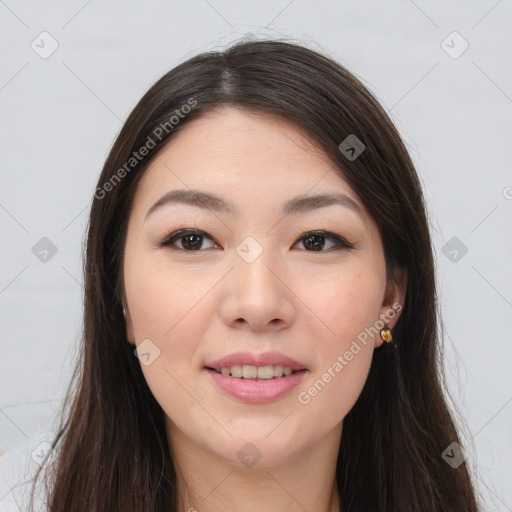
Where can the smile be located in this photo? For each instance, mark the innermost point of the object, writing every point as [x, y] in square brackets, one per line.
[256, 389]
[255, 372]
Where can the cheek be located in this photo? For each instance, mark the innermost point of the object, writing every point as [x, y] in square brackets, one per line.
[340, 374]
[334, 389]
[163, 299]
[346, 304]
[164, 309]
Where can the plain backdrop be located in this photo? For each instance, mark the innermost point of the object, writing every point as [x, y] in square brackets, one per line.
[443, 70]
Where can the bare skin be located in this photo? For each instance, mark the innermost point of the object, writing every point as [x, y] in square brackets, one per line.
[198, 303]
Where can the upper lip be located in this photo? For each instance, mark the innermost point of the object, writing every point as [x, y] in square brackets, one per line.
[251, 359]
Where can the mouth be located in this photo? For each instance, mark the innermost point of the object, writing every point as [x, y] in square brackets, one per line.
[256, 378]
[256, 373]
[252, 384]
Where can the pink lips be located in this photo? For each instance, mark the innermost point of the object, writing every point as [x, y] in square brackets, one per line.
[268, 358]
[254, 390]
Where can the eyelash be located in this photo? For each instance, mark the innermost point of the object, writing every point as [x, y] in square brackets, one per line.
[340, 243]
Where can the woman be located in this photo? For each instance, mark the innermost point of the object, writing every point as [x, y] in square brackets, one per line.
[260, 327]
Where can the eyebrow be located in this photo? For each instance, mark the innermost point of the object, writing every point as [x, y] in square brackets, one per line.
[296, 205]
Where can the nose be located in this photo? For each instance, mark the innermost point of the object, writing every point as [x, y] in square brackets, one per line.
[257, 296]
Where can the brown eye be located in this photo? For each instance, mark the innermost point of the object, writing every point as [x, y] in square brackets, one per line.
[191, 240]
[315, 241]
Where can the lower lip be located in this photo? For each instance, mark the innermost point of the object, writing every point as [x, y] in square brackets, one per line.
[257, 391]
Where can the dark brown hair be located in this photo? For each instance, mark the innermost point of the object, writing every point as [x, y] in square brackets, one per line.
[111, 445]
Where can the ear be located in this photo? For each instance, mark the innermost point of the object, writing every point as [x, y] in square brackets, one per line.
[129, 324]
[393, 301]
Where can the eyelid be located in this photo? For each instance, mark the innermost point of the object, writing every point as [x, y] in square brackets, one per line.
[182, 233]
[340, 242]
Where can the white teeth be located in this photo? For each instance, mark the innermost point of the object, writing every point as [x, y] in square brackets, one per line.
[236, 371]
[249, 372]
[252, 372]
[265, 372]
[278, 371]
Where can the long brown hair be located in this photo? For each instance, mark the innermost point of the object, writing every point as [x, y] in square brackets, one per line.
[113, 454]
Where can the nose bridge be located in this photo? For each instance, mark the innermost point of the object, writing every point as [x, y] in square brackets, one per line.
[255, 266]
[255, 293]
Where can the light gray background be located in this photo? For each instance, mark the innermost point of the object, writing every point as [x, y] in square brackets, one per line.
[59, 116]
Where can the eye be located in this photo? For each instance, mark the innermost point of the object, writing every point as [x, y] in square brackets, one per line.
[315, 240]
[192, 240]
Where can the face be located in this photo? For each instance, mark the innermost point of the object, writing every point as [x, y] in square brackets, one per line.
[252, 283]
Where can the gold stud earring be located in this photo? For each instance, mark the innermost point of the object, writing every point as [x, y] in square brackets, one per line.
[386, 335]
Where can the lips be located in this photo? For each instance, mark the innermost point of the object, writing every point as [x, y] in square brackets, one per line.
[251, 359]
[256, 391]
[255, 388]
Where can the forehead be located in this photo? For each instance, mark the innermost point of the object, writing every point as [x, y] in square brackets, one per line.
[244, 155]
